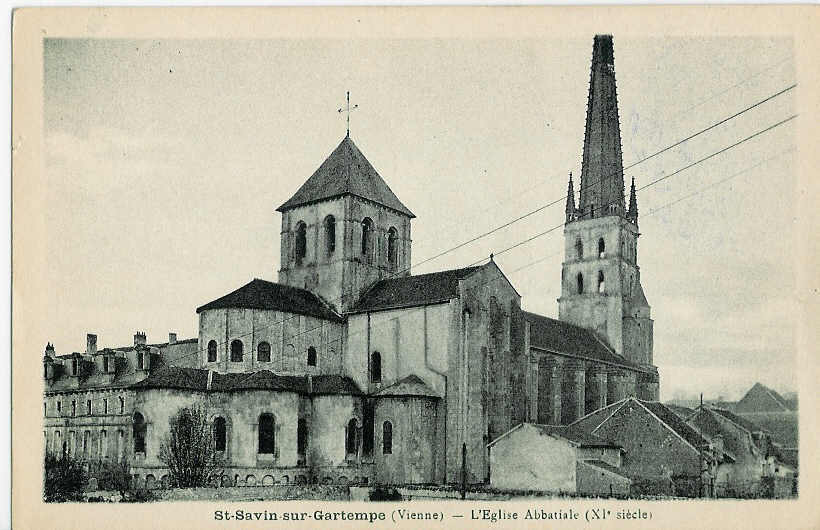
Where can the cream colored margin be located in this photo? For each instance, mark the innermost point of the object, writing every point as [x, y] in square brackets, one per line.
[31, 25]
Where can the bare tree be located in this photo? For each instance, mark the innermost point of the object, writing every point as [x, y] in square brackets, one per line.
[189, 450]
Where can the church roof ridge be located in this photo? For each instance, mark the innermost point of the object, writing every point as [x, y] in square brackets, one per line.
[346, 171]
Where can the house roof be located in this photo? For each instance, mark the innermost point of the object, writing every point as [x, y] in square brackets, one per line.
[761, 398]
[412, 385]
[576, 434]
[411, 291]
[261, 294]
[196, 379]
[675, 422]
[562, 337]
[603, 465]
[743, 422]
[346, 172]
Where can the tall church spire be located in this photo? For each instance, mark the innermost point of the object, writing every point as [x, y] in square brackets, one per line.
[602, 180]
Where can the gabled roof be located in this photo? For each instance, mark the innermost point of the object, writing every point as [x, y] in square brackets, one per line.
[346, 172]
[675, 422]
[410, 291]
[261, 294]
[562, 337]
[761, 398]
[576, 435]
[591, 422]
[412, 385]
[742, 422]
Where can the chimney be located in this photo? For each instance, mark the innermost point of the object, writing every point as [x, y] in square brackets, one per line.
[90, 344]
[172, 338]
[139, 338]
[49, 350]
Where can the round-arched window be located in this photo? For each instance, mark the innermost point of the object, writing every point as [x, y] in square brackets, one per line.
[211, 351]
[236, 351]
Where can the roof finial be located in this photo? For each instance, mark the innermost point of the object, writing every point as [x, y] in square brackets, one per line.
[347, 109]
[632, 213]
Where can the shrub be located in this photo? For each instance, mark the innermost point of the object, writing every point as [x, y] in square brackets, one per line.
[65, 479]
[189, 450]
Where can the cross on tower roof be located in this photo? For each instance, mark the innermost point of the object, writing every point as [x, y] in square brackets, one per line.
[347, 109]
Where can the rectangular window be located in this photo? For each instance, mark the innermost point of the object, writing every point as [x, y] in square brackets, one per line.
[105, 406]
[73, 408]
[59, 407]
[88, 406]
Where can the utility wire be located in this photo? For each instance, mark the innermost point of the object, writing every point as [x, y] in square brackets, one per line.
[527, 240]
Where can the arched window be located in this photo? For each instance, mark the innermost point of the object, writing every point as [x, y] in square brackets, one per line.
[236, 351]
[580, 280]
[139, 433]
[311, 356]
[330, 234]
[267, 435]
[601, 286]
[211, 351]
[376, 367]
[122, 405]
[601, 248]
[263, 352]
[301, 438]
[220, 432]
[392, 248]
[350, 437]
[387, 438]
[301, 242]
[579, 249]
[367, 235]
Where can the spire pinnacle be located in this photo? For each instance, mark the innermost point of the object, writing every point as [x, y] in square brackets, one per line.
[632, 214]
[602, 180]
[570, 211]
[347, 109]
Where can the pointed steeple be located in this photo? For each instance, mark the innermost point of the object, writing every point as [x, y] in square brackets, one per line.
[632, 214]
[570, 200]
[602, 180]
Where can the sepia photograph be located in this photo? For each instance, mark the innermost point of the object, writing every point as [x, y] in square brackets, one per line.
[546, 267]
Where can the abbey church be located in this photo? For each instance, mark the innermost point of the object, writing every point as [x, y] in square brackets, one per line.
[350, 369]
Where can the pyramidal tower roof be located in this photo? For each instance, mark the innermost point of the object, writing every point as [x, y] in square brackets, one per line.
[346, 172]
[602, 179]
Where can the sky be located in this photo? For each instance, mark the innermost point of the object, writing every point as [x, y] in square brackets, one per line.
[165, 162]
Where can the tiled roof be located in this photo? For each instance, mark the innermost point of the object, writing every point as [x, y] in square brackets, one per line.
[576, 434]
[675, 422]
[743, 422]
[411, 291]
[197, 379]
[346, 172]
[261, 294]
[562, 337]
[334, 384]
[761, 398]
[412, 385]
[603, 465]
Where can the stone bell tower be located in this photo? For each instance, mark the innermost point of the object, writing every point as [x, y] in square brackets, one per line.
[600, 278]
